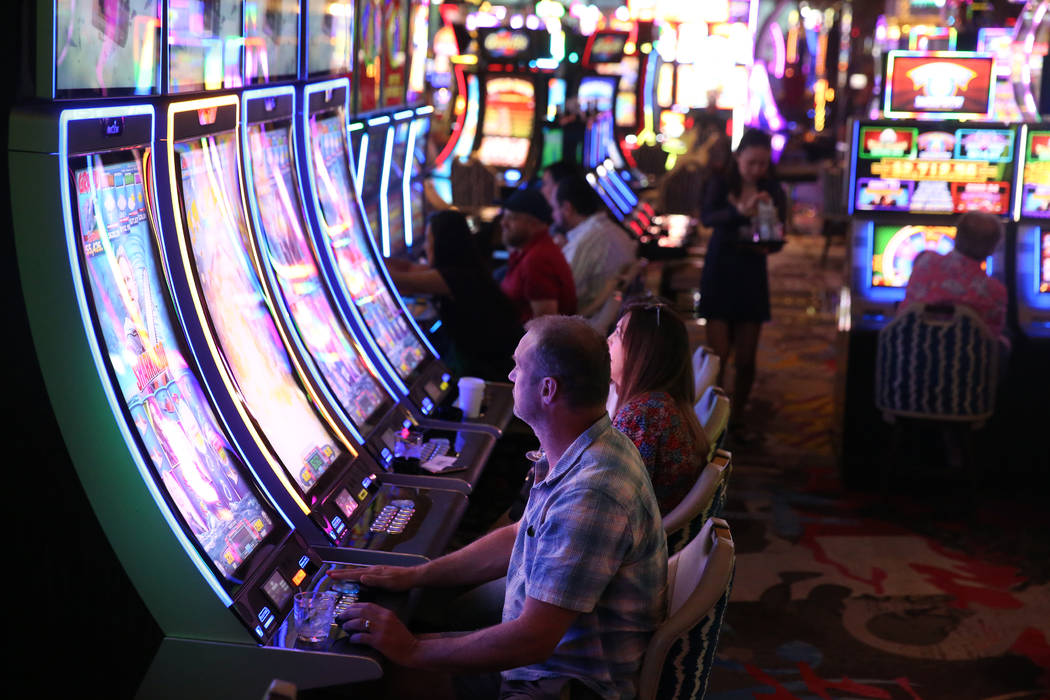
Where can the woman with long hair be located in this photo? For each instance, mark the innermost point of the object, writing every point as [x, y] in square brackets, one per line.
[734, 286]
[652, 373]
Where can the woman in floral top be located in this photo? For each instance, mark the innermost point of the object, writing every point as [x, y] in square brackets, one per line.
[653, 378]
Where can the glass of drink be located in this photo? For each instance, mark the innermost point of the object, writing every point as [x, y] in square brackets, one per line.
[314, 613]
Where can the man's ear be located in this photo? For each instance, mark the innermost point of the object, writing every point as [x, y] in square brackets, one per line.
[548, 390]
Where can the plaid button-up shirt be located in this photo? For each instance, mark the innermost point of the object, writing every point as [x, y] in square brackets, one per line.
[591, 540]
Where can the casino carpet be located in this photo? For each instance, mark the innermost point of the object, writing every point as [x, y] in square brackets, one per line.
[839, 594]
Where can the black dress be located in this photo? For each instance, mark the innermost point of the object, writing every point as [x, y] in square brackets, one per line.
[734, 285]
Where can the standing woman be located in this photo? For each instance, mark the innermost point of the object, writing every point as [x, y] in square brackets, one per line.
[652, 373]
[734, 286]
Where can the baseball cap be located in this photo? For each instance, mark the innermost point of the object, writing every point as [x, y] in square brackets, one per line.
[529, 201]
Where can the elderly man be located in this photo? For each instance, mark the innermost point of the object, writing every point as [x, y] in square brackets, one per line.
[957, 277]
[586, 565]
[538, 280]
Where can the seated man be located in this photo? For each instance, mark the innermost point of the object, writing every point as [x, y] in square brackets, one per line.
[538, 280]
[586, 565]
[957, 277]
[597, 249]
[553, 174]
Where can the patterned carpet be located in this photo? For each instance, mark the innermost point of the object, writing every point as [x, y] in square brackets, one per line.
[841, 595]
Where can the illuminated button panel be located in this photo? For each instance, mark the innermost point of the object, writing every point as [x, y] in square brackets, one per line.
[394, 517]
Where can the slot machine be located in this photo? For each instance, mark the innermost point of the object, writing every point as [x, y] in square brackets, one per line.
[369, 138]
[355, 271]
[1032, 251]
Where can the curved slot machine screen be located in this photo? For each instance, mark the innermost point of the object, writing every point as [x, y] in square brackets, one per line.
[1035, 179]
[507, 126]
[251, 346]
[337, 356]
[347, 239]
[177, 429]
[896, 247]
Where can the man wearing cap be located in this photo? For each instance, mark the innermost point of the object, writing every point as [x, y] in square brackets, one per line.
[538, 280]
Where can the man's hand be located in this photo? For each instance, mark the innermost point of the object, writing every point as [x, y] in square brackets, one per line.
[391, 578]
[374, 625]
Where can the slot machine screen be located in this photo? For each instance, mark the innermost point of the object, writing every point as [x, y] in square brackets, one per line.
[335, 352]
[955, 84]
[1044, 261]
[507, 126]
[271, 41]
[330, 40]
[249, 341]
[372, 173]
[418, 205]
[598, 93]
[201, 474]
[1035, 178]
[107, 48]
[896, 247]
[933, 168]
[419, 146]
[347, 239]
[204, 45]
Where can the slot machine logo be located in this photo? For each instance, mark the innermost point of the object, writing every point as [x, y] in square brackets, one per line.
[939, 84]
[888, 142]
[506, 44]
[607, 46]
[113, 126]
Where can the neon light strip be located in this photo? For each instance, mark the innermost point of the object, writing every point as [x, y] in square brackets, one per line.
[855, 141]
[362, 152]
[1018, 185]
[94, 342]
[199, 304]
[406, 182]
[457, 128]
[384, 190]
[399, 388]
[254, 209]
[620, 185]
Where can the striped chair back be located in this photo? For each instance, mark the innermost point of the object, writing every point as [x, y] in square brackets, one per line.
[705, 500]
[681, 654]
[937, 362]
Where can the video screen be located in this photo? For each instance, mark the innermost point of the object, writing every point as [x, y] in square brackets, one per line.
[194, 463]
[418, 207]
[236, 306]
[337, 355]
[271, 41]
[896, 247]
[1035, 178]
[607, 47]
[369, 63]
[1044, 261]
[330, 40]
[371, 170]
[949, 83]
[107, 48]
[419, 146]
[204, 45]
[933, 167]
[346, 236]
[626, 109]
[597, 93]
[508, 122]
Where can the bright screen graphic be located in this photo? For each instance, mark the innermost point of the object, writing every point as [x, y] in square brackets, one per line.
[419, 146]
[933, 168]
[330, 38]
[108, 47]
[506, 130]
[948, 83]
[1044, 261]
[204, 45]
[597, 93]
[1035, 179]
[196, 466]
[291, 259]
[394, 193]
[271, 41]
[896, 247]
[249, 341]
[345, 234]
[369, 63]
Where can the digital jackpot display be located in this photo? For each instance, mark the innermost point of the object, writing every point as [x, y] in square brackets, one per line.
[951, 84]
[933, 167]
[1035, 177]
[337, 356]
[237, 311]
[896, 247]
[345, 233]
[175, 425]
[506, 130]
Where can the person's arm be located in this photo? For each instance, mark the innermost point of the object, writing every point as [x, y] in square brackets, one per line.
[528, 639]
[716, 210]
[543, 307]
[483, 560]
[420, 281]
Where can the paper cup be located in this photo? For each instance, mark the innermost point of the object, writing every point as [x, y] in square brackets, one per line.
[471, 394]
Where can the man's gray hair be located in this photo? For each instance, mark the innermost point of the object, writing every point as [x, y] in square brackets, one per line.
[977, 234]
[568, 349]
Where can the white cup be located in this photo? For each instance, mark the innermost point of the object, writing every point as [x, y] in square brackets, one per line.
[471, 394]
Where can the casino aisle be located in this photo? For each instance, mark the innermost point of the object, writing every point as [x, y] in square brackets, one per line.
[839, 593]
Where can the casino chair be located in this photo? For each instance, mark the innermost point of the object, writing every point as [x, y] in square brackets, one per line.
[704, 501]
[681, 653]
[713, 411]
[937, 365]
[705, 369]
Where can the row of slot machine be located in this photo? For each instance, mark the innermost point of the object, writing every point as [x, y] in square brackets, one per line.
[908, 180]
[243, 395]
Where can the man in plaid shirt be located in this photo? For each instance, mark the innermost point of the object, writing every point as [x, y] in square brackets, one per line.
[586, 565]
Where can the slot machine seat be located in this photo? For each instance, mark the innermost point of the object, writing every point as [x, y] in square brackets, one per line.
[678, 662]
[706, 365]
[937, 364]
[713, 411]
[704, 501]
